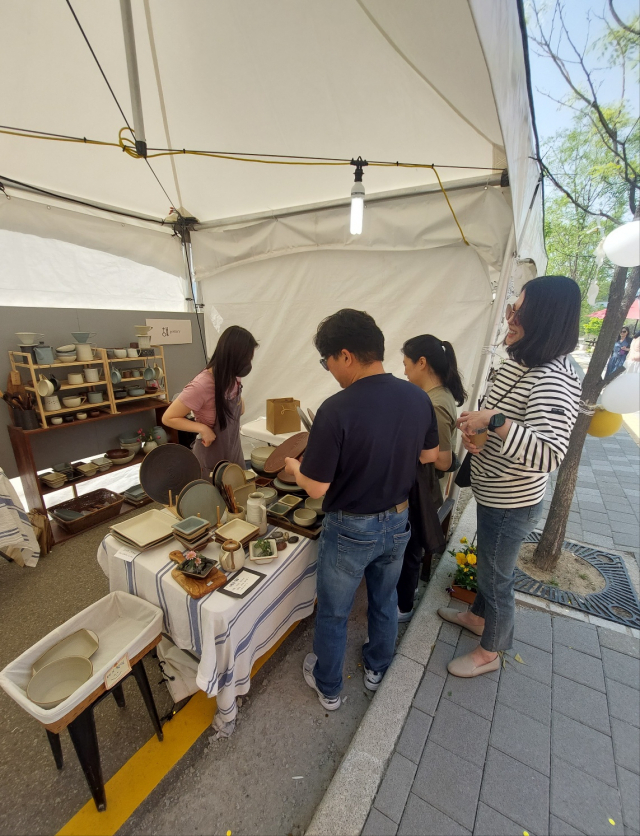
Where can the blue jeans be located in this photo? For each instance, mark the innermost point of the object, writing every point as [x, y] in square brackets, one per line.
[351, 547]
[501, 532]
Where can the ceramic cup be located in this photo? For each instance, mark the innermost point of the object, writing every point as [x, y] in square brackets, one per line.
[136, 373]
[91, 375]
[144, 341]
[45, 387]
[75, 379]
[52, 403]
[81, 416]
[232, 556]
[132, 352]
[56, 420]
[127, 373]
[229, 515]
[95, 397]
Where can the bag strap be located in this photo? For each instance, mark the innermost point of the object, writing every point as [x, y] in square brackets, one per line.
[512, 387]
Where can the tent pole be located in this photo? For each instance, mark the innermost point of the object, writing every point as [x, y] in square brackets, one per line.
[134, 78]
[191, 289]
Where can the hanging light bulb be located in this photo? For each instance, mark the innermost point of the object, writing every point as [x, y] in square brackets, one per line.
[357, 198]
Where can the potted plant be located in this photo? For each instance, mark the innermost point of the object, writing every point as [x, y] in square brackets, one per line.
[465, 580]
[148, 441]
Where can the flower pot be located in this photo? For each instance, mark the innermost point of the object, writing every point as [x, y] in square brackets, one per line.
[149, 446]
[159, 435]
[462, 594]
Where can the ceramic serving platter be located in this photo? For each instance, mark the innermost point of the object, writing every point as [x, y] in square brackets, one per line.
[239, 530]
[292, 447]
[201, 498]
[168, 469]
[146, 528]
[81, 643]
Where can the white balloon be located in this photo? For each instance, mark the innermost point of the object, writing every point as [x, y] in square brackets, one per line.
[622, 395]
[622, 246]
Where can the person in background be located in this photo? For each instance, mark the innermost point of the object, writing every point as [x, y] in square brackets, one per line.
[620, 351]
[363, 448]
[633, 359]
[430, 364]
[215, 398]
[516, 442]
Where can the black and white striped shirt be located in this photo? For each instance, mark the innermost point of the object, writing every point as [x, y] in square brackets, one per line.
[543, 407]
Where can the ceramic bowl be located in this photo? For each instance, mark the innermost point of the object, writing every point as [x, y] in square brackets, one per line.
[270, 495]
[117, 453]
[142, 329]
[28, 337]
[56, 420]
[66, 349]
[315, 505]
[81, 643]
[120, 353]
[56, 681]
[135, 391]
[81, 416]
[95, 413]
[304, 517]
[118, 460]
[131, 446]
[73, 401]
[119, 393]
[82, 336]
[259, 455]
[95, 397]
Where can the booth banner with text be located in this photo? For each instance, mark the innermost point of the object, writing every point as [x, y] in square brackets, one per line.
[170, 331]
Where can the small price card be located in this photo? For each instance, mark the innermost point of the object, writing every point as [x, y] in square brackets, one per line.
[127, 554]
[242, 583]
[117, 672]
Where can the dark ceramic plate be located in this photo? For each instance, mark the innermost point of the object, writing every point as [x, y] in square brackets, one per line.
[169, 467]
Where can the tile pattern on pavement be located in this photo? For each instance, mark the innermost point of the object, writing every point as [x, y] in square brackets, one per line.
[548, 746]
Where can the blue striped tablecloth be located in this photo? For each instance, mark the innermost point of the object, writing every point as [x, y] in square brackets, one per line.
[17, 539]
[227, 634]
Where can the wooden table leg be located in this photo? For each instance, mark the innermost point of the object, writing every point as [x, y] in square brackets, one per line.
[83, 735]
[143, 684]
[56, 747]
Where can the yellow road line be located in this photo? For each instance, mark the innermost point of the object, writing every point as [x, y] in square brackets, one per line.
[142, 773]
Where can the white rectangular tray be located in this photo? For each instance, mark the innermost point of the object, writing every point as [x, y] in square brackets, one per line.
[146, 528]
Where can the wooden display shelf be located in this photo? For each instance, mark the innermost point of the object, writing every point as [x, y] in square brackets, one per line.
[55, 365]
[124, 359]
[83, 407]
[140, 397]
[45, 490]
[64, 387]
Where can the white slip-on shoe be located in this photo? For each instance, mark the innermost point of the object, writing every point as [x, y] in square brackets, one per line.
[330, 703]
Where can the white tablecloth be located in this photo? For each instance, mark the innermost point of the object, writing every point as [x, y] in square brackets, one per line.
[258, 429]
[227, 634]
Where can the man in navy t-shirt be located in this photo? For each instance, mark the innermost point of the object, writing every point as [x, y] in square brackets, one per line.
[362, 456]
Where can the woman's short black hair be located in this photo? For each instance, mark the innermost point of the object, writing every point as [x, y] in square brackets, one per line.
[550, 318]
[355, 331]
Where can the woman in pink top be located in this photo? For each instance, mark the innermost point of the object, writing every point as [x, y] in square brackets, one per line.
[215, 398]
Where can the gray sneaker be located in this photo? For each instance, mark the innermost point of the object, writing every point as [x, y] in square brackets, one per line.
[372, 679]
[403, 617]
[330, 703]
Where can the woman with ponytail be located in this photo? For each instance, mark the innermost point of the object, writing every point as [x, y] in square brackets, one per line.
[430, 364]
[215, 398]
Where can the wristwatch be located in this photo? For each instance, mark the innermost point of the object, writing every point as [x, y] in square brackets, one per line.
[496, 421]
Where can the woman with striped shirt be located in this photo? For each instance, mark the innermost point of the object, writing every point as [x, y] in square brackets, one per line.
[529, 414]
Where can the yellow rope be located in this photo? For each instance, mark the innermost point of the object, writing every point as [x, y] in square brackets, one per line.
[128, 146]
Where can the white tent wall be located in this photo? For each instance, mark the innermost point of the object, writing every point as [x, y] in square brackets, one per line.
[410, 270]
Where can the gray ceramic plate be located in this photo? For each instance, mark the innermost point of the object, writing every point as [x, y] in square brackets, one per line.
[203, 498]
[170, 467]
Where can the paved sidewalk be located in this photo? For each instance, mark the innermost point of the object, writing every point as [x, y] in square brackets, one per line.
[548, 746]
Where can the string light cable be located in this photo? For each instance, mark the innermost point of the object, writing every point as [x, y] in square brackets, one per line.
[126, 145]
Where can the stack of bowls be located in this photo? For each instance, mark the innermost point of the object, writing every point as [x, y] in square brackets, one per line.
[66, 354]
[119, 456]
[130, 442]
[259, 456]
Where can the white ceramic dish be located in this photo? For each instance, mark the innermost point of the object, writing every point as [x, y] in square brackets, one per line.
[58, 680]
[81, 643]
[290, 500]
[239, 530]
[146, 528]
[304, 517]
[260, 558]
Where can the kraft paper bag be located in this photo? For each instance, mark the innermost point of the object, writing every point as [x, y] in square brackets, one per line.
[282, 415]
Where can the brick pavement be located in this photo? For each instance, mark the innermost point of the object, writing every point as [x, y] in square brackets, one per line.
[551, 746]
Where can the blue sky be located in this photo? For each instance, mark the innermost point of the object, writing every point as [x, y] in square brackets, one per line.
[546, 78]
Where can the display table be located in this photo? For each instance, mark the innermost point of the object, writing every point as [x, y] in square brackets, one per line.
[258, 429]
[227, 634]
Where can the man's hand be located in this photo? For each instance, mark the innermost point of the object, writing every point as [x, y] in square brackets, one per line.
[292, 466]
[313, 488]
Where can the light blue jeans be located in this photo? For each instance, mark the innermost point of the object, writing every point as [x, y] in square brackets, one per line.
[501, 532]
[351, 547]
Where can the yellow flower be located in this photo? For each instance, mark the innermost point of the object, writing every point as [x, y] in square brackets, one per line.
[471, 559]
[463, 540]
[461, 558]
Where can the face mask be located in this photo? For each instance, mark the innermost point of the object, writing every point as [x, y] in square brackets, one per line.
[245, 370]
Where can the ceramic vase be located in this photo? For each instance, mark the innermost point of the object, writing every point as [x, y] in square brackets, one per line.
[159, 435]
[257, 511]
[149, 446]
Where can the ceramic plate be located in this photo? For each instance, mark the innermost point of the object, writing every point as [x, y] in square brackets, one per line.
[237, 530]
[81, 643]
[287, 488]
[130, 544]
[207, 564]
[170, 467]
[292, 447]
[203, 498]
[233, 476]
[146, 528]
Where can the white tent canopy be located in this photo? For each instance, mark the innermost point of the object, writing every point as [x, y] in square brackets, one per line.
[441, 82]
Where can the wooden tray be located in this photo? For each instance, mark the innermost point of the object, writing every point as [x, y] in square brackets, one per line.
[199, 587]
[312, 531]
[292, 447]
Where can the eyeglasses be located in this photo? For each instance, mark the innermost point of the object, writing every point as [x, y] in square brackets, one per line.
[324, 364]
[513, 314]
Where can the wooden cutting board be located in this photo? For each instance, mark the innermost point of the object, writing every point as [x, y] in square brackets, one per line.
[292, 447]
[199, 587]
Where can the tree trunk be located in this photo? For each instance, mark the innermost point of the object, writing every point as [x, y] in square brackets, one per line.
[621, 295]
